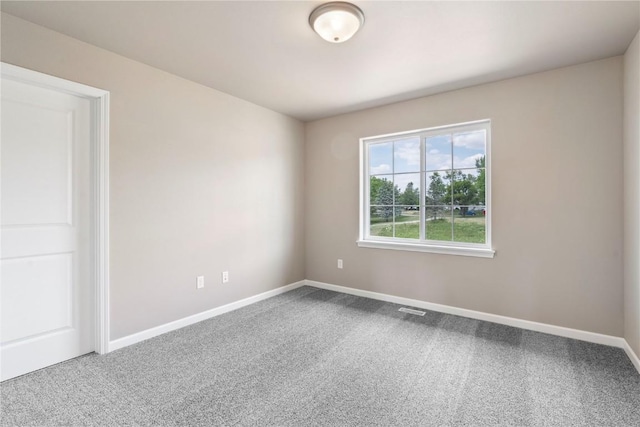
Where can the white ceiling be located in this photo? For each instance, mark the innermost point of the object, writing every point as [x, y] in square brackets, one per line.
[265, 52]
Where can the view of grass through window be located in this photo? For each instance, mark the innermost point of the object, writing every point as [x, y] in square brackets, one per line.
[429, 187]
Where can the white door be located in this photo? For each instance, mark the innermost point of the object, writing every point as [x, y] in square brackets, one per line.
[46, 289]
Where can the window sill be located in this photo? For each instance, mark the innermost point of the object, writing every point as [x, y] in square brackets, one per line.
[437, 249]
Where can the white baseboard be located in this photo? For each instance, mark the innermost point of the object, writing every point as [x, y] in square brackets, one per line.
[503, 320]
[632, 355]
[181, 323]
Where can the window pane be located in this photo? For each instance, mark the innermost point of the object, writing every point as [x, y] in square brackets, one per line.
[381, 221]
[381, 190]
[380, 158]
[437, 212]
[438, 223]
[386, 213]
[407, 222]
[468, 149]
[469, 224]
[437, 191]
[464, 188]
[481, 186]
[438, 153]
[408, 230]
[408, 187]
[406, 155]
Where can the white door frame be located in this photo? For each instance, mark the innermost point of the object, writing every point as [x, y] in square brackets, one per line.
[99, 155]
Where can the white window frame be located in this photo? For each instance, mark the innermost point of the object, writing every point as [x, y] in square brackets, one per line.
[365, 240]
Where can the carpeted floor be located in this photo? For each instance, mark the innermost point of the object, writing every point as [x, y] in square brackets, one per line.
[312, 357]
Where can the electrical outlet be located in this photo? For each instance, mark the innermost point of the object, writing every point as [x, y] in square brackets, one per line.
[200, 282]
[339, 263]
[225, 276]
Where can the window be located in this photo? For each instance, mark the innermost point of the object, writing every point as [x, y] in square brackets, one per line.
[428, 190]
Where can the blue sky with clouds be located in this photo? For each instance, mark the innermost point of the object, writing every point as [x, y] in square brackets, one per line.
[400, 160]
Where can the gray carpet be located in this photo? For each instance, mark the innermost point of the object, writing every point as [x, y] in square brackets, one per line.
[312, 357]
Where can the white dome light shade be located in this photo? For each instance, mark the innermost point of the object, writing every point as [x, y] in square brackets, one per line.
[336, 22]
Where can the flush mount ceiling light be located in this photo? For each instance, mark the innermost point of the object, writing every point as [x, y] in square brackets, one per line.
[336, 22]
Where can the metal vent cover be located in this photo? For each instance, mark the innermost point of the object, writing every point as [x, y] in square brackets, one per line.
[412, 311]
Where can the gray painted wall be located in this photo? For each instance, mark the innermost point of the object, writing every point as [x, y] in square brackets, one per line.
[557, 200]
[201, 182]
[632, 195]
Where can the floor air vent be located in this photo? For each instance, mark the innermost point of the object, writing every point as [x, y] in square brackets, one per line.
[412, 311]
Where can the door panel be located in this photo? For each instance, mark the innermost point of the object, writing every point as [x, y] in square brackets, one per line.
[46, 292]
[43, 197]
[42, 283]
